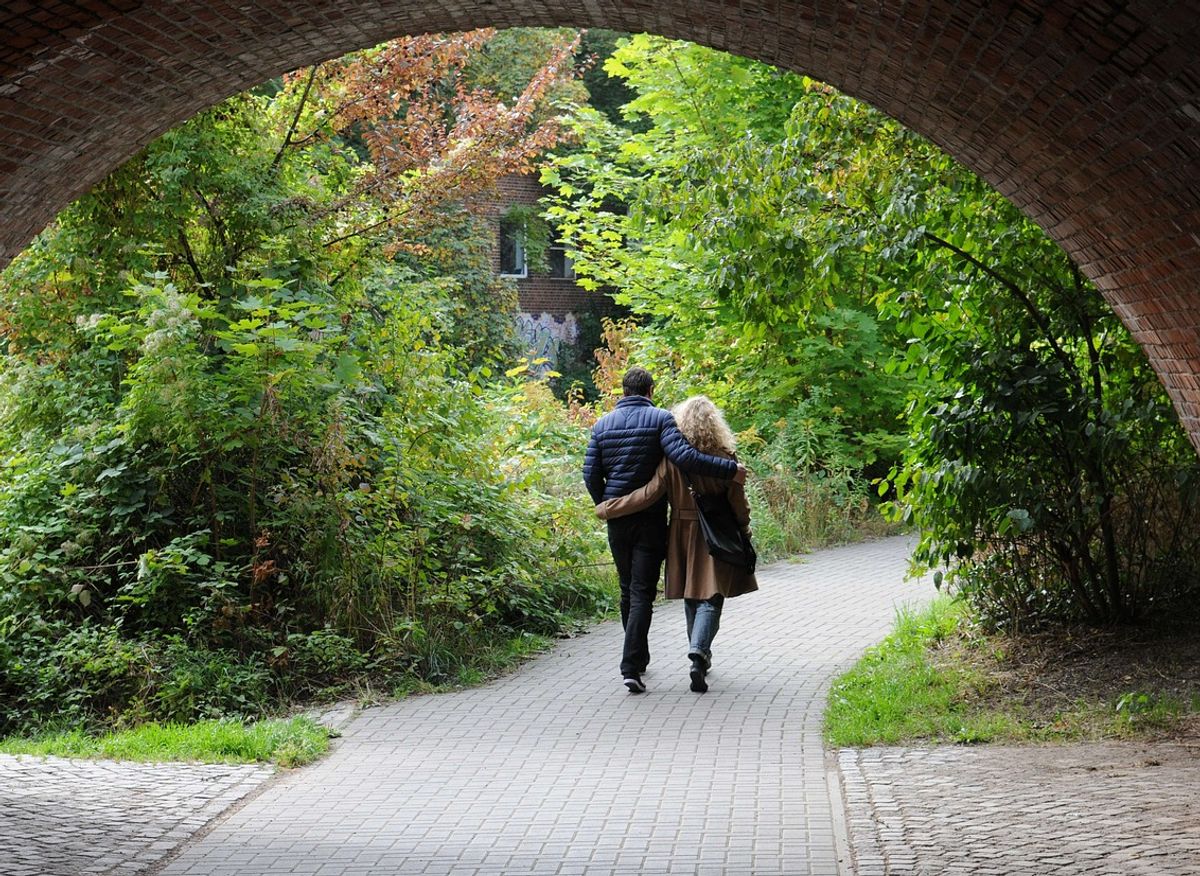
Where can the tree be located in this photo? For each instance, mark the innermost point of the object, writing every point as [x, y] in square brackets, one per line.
[754, 295]
[809, 263]
[1045, 466]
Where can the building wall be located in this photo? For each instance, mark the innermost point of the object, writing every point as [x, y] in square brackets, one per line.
[548, 304]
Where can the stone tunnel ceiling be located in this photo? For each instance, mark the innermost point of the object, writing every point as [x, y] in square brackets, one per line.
[1085, 114]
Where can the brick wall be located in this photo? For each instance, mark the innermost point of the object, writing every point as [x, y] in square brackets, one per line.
[1086, 113]
[538, 292]
[548, 304]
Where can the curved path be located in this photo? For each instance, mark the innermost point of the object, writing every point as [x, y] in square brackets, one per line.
[557, 770]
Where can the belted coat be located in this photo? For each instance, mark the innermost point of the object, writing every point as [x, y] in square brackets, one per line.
[692, 572]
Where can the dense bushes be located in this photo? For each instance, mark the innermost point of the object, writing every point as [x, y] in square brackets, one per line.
[267, 529]
[809, 488]
[1054, 497]
[1046, 468]
[252, 441]
[808, 263]
[237, 547]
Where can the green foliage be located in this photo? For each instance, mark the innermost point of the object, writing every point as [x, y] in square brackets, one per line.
[896, 693]
[1136, 712]
[606, 92]
[711, 225]
[247, 454]
[508, 60]
[534, 231]
[811, 265]
[939, 677]
[1046, 467]
[577, 360]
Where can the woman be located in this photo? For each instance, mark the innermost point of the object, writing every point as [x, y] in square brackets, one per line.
[693, 575]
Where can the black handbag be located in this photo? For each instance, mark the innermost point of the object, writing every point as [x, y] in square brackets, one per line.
[724, 536]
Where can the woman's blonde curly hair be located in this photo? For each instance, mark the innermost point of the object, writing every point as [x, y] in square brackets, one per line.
[704, 426]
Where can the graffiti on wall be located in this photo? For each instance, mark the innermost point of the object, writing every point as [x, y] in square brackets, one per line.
[542, 335]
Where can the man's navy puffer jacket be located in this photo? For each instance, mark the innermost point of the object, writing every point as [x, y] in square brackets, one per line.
[627, 445]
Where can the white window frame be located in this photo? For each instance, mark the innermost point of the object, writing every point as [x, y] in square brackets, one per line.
[568, 262]
[518, 240]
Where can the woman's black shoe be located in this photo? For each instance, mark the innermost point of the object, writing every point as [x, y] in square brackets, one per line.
[699, 685]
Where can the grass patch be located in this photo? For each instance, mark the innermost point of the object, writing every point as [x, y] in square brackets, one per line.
[287, 742]
[937, 678]
[897, 693]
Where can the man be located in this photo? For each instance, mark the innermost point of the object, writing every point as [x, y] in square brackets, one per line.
[623, 452]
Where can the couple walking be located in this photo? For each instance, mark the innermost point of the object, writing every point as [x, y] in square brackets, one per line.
[640, 458]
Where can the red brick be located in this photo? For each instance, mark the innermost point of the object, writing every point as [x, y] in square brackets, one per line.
[537, 293]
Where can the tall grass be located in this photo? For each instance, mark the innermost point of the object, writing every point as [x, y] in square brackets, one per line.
[792, 513]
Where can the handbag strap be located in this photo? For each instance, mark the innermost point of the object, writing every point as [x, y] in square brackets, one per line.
[691, 487]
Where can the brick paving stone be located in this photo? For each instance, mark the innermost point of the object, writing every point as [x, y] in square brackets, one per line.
[556, 770]
[61, 817]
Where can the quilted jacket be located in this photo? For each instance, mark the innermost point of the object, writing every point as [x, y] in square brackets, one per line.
[628, 443]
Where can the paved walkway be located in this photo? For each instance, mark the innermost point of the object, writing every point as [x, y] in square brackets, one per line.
[557, 770]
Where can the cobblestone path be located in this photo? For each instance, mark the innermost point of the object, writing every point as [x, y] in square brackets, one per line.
[70, 817]
[1102, 808]
[557, 770]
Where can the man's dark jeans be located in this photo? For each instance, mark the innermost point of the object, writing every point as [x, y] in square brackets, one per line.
[639, 544]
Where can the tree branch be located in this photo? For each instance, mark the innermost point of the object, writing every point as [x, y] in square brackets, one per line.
[287, 140]
[691, 90]
[358, 232]
[217, 221]
[1018, 293]
[1093, 353]
[190, 257]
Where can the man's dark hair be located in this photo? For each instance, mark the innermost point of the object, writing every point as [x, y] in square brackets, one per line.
[637, 381]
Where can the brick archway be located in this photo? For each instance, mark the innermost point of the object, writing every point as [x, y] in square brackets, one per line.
[1086, 113]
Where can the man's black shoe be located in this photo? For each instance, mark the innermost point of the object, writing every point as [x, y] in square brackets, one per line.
[633, 684]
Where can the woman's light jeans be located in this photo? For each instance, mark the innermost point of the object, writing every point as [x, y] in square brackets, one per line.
[703, 621]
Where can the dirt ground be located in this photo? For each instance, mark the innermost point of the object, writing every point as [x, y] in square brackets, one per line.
[1150, 671]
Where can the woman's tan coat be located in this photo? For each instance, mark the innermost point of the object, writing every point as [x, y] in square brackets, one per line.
[691, 570]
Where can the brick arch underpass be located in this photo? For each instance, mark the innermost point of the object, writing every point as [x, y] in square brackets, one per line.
[1085, 113]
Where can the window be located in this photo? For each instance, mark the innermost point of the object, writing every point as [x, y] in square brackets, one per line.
[561, 266]
[512, 249]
